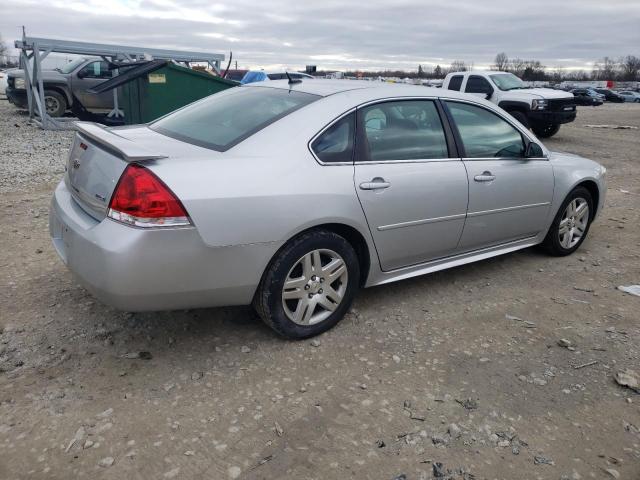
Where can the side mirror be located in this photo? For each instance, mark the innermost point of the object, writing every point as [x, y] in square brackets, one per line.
[488, 93]
[82, 73]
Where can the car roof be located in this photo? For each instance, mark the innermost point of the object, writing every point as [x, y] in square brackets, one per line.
[326, 87]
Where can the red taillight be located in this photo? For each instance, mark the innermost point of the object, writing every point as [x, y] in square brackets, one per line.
[142, 199]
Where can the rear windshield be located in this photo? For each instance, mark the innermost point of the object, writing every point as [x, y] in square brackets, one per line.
[225, 119]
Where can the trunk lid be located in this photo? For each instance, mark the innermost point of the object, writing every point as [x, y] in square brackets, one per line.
[96, 161]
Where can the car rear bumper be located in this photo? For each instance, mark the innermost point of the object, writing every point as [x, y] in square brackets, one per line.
[17, 97]
[135, 269]
[552, 118]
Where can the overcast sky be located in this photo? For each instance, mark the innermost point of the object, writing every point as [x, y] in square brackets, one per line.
[366, 34]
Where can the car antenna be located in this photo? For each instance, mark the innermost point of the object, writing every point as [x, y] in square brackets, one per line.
[292, 80]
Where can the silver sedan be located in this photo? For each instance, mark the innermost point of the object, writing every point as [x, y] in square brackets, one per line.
[291, 196]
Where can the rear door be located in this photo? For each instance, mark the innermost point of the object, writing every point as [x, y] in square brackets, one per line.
[509, 195]
[411, 185]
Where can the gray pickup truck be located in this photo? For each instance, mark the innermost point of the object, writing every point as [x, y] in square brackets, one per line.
[66, 88]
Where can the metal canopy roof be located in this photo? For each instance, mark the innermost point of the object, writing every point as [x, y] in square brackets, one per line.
[108, 50]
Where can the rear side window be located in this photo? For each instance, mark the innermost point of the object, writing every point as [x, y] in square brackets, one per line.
[484, 134]
[455, 83]
[336, 142]
[227, 118]
[404, 130]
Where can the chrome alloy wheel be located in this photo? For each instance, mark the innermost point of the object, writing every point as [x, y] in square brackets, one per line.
[51, 104]
[314, 287]
[573, 223]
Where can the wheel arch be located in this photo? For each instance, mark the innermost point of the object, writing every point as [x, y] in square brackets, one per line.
[61, 90]
[355, 238]
[594, 190]
[512, 105]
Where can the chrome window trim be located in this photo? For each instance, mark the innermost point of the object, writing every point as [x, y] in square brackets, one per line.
[417, 160]
[522, 159]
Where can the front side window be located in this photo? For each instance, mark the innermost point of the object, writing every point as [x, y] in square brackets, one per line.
[225, 119]
[455, 83]
[404, 130]
[477, 84]
[98, 69]
[336, 142]
[484, 134]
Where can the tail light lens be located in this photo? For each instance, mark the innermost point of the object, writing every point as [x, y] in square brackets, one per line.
[141, 199]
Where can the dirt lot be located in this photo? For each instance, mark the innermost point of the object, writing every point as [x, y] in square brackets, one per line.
[455, 375]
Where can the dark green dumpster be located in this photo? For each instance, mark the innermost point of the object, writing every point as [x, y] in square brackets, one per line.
[158, 87]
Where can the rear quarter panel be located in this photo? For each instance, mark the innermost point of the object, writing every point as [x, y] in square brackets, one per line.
[269, 187]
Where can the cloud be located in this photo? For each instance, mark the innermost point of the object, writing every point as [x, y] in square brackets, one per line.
[338, 34]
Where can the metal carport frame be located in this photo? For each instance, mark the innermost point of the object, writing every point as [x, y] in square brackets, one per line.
[33, 50]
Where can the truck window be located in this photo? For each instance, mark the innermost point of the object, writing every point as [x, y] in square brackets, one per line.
[478, 84]
[97, 69]
[455, 83]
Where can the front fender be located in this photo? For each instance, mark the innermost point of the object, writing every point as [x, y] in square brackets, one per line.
[569, 171]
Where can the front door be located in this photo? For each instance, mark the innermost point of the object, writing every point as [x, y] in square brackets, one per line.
[509, 195]
[413, 193]
[89, 76]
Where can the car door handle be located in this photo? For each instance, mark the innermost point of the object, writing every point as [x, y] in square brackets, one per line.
[485, 177]
[375, 184]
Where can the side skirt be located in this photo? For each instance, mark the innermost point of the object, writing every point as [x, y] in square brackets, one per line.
[449, 262]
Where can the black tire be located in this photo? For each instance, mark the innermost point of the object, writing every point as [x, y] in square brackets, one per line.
[268, 299]
[521, 117]
[55, 103]
[552, 241]
[545, 131]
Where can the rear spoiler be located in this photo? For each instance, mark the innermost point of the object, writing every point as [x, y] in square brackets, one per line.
[128, 150]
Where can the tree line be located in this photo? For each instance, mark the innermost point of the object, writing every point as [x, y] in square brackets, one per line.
[626, 68]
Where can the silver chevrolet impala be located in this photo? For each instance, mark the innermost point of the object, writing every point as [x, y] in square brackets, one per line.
[291, 196]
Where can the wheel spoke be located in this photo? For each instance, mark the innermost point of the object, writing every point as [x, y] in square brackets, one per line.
[307, 266]
[563, 227]
[293, 294]
[311, 306]
[332, 294]
[334, 270]
[582, 209]
[317, 262]
[300, 310]
[295, 283]
[327, 304]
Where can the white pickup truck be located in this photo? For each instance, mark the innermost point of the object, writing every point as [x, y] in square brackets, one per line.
[541, 109]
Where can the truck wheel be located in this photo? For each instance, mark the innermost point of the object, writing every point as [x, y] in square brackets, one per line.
[546, 131]
[55, 103]
[521, 117]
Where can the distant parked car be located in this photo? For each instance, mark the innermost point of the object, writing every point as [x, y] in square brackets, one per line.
[630, 96]
[593, 92]
[584, 96]
[609, 95]
[260, 76]
[65, 86]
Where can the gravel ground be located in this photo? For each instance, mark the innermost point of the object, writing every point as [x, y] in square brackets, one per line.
[500, 369]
